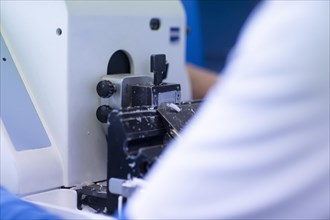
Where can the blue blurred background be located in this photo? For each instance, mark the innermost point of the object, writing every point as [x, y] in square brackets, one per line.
[214, 27]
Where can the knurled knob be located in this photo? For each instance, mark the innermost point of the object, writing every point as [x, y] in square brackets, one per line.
[102, 113]
[105, 89]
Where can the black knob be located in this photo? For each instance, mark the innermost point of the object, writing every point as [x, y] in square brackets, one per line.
[102, 113]
[105, 89]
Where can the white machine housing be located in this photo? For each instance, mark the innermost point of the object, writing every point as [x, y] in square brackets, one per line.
[61, 49]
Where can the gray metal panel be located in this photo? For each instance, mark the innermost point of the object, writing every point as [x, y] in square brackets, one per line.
[178, 119]
[17, 111]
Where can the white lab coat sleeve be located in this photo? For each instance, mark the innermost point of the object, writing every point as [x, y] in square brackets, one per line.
[259, 146]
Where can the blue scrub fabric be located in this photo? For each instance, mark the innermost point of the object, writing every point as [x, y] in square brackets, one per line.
[12, 207]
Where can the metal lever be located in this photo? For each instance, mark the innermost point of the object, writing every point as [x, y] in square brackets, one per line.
[159, 67]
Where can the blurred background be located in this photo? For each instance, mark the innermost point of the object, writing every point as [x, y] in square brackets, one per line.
[214, 26]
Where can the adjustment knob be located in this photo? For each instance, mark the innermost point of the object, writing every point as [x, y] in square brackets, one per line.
[105, 89]
[102, 113]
